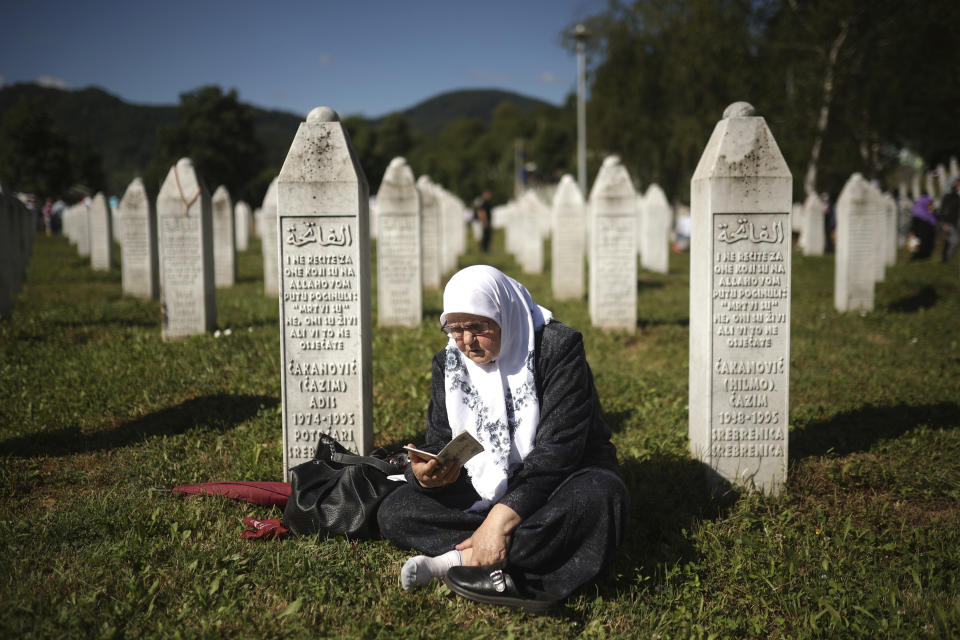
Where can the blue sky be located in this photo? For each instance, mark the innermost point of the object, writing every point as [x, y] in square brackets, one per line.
[357, 57]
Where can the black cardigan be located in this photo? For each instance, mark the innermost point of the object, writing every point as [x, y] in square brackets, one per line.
[571, 434]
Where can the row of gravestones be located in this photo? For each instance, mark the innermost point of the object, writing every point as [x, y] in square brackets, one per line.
[612, 227]
[172, 249]
[936, 183]
[420, 232]
[178, 249]
[16, 247]
[739, 291]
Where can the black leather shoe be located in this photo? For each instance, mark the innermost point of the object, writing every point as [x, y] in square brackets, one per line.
[495, 586]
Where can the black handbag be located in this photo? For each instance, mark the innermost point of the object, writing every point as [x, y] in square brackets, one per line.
[338, 493]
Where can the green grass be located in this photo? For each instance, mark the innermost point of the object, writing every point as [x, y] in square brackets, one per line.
[95, 410]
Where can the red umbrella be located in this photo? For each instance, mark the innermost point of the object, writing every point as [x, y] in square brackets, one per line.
[266, 493]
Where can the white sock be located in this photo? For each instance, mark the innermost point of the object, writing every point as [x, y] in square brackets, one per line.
[418, 571]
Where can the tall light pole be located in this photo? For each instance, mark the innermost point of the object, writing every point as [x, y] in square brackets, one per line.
[580, 34]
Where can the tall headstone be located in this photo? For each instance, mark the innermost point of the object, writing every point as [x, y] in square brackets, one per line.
[185, 241]
[530, 237]
[268, 241]
[740, 198]
[140, 261]
[655, 221]
[258, 222]
[943, 180]
[931, 186]
[879, 228]
[224, 240]
[242, 221]
[915, 189]
[429, 232]
[855, 273]
[796, 217]
[101, 234]
[613, 258]
[325, 351]
[813, 234]
[569, 234]
[83, 230]
[890, 215]
[399, 280]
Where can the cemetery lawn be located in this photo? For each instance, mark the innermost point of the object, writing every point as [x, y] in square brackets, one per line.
[96, 411]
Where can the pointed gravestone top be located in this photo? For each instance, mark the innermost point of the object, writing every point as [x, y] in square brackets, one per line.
[398, 173]
[568, 190]
[740, 110]
[322, 114]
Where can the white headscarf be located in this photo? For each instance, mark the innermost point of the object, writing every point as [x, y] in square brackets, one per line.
[496, 402]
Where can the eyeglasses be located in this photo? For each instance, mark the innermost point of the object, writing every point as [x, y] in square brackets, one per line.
[456, 332]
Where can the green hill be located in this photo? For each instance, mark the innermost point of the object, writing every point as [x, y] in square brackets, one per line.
[431, 115]
[125, 134]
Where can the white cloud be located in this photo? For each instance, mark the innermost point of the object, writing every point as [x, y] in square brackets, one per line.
[547, 77]
[51, 82]
[325, 59]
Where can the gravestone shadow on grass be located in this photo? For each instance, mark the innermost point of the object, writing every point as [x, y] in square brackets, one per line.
[858, 430]
[925, 298]
[669, 496]
[220, 412]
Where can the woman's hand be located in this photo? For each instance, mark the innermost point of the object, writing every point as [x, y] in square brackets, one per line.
[430, 474]
[489, 543]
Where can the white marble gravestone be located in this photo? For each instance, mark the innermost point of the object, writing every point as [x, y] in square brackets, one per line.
[451, 224]
[399, 280]
[915, 189]
[325, 351]
[257, 229]
[943, 181]
[429, 232]
[740, 199]
[930, 186]
[879, 229]
[83, 230]
[224, 239]
[140, 261]
[796, 217]
[185, 242]
[529, 236]
[856, 250]
[268, 241]
[568, 247]
[613, 258]
[813, 237]
[892, 225]
[656, 219]
[242, 221]
[101, 234]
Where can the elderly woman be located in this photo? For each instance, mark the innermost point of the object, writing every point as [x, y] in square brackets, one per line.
[542, 509]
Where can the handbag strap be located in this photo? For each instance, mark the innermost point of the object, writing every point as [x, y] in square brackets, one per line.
[349, 458]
